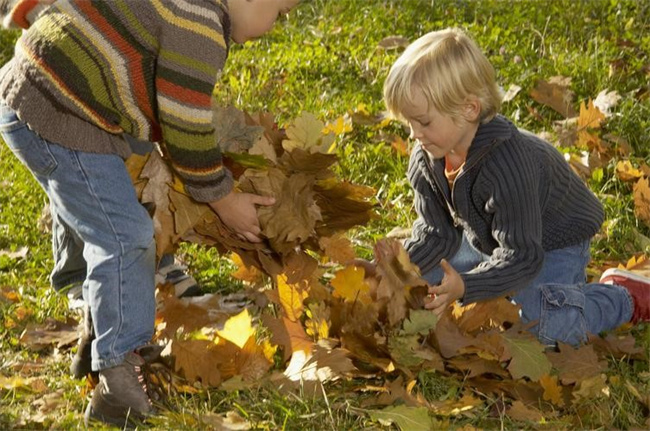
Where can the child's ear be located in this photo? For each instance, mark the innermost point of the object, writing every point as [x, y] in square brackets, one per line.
[472, 109]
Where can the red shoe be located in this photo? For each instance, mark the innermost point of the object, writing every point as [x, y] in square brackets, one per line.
[637, 286]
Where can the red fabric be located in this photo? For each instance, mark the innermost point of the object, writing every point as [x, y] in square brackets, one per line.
[638, 287]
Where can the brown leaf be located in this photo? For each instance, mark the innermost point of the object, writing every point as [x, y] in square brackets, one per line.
[552, 391]
[187, 212]
[520, 412]
[232, 132]
[555, 94]
[156, 192]
[619, 346]
[528, 359]
[299, 266]
[198, 360]
[288, 334]
[486, 314]
[474, 366]
[337, 248]
[592, 388]
[306, 133]
[50, 333]
[393, 42]
[590, 120]
[176, 313]
[230, 422]
[575, 365]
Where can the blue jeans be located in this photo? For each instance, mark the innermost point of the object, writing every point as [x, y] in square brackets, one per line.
[564, 306]
[94, 202]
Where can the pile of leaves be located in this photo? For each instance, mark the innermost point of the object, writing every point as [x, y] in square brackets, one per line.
[311, 316]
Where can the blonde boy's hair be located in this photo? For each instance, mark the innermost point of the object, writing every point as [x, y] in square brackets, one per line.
[448, 68]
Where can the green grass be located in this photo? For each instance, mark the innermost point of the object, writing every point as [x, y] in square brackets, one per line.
[325, 59]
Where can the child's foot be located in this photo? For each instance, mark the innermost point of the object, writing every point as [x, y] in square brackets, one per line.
[638, 287]
[184, 284]
[122, 397]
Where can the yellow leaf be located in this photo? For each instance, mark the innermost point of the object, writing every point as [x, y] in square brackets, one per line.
[626, 172]
[348, 284]
[339, 126]
[238, 329]
[318, 323]
[291, 298]
[590, 119]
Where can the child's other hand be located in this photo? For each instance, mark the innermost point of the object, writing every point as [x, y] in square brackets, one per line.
[451, 288]
[238, 212]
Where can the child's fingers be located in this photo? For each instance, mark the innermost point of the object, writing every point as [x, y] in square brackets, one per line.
[263, 200]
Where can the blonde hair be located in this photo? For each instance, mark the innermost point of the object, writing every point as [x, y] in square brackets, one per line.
[447, 67]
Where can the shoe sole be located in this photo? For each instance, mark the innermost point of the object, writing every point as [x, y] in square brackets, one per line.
[610, 274]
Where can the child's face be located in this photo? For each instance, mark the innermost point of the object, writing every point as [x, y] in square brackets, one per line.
[437, 132]
[252, 18]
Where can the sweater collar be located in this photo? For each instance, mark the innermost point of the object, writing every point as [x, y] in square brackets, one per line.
[496, 130]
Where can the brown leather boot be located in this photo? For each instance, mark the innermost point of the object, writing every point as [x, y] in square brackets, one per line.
[637, 286]
[121, 398]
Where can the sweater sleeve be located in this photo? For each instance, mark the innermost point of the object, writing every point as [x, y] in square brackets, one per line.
[511, 183]
[22, 13]
[193, 50]
[433, 236]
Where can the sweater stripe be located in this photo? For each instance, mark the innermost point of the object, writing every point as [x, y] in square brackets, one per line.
[187, 24]
[146, 68]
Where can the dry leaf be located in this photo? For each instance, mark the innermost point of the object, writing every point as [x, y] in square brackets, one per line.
[555, 94]
[349, 284]
[306, 133]
[641, 195]
[232, 133]
[575, 365]
[392, 42]
[626, 172]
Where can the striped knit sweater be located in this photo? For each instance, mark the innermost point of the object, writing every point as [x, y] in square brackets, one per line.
[515, 198]
[87, 71]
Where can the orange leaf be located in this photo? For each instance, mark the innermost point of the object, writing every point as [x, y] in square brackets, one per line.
[626, 172]
[642, 200]
[552, 391]
[337, 248]
[556, 94]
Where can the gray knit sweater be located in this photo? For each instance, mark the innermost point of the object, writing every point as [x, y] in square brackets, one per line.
[516, 198]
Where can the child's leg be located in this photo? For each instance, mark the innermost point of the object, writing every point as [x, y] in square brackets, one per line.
[67, 249]
[94, 196]
[466, 258]
[565, 307]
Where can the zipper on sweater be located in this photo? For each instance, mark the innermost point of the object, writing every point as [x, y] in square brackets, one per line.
[465, 168]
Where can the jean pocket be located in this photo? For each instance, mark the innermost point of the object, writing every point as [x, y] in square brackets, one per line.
[32, 150]
[562, 316]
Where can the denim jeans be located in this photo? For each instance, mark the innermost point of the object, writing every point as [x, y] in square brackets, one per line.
[94, 204]
[565, 307]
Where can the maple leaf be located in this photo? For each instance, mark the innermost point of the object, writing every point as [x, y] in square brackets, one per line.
[619, 346]
[291, 297]
[592, 388]
[641, 194]
[476, 366]
[366, 349]
[197, 360]
[246, 273]
[264, 148]
[420, 322]
[590, 119]
[299, 266]
[337, 248]
[486, 314]
[556, 94]
[288, 334]
[552, 391]
[342, 206]
[306, 133]
[349, 284]
[528, 358]
[575, 365]
[238, 329]
[392, 42]
[232, 133]
[176, 313]
[50, 333]
[324, 364]
[448, 338]
[406, 350]
[406, 418]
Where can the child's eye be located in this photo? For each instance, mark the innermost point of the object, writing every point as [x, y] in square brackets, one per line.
[425, 124]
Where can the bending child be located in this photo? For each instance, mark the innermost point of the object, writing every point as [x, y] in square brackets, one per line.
[84, 74]
[500, 212]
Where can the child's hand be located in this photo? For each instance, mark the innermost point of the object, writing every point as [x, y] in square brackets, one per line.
[238, 212]
[451, 288]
